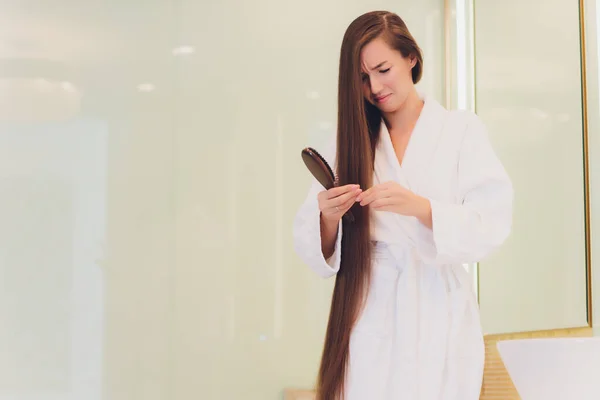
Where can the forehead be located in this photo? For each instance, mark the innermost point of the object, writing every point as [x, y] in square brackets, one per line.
[376, 52]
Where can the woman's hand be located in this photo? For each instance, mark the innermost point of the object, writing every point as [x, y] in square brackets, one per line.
[334, 202]
[393, 197]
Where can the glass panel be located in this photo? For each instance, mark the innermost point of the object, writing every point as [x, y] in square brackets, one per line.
[529, 93]
[151, 170]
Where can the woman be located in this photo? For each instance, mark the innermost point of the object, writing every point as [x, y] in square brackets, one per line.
[428, 194]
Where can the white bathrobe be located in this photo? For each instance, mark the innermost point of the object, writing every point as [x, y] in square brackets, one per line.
[419, 336]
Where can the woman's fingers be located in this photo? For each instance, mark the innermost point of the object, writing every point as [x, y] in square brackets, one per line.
[342, 199]
[340, 190]
[327, 196]
[336, 201]
[341, 204]
[348, 204]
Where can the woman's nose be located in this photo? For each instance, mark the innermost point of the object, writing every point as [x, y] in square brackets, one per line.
[375, 87]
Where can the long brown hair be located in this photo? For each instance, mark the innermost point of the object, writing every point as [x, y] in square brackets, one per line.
[358, 128]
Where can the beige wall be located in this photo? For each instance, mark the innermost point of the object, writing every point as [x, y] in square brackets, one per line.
[592, 18]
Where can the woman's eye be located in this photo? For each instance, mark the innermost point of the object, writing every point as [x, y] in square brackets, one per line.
[384, 70]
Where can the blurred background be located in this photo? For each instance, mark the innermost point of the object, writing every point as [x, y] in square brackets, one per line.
[150, 171]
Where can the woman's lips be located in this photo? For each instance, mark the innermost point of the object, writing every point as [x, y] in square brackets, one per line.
[381, 99]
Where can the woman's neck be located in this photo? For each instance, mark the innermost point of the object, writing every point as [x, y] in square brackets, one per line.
[402, 121]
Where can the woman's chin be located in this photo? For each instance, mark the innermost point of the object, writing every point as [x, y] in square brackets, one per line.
[386, 108]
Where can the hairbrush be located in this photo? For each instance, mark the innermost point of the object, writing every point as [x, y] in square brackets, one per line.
[320, 169]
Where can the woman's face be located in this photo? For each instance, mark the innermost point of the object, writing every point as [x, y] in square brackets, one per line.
[386, 75]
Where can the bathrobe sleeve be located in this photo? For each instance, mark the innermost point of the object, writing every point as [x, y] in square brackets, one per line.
[469, 231]
[307, 228]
